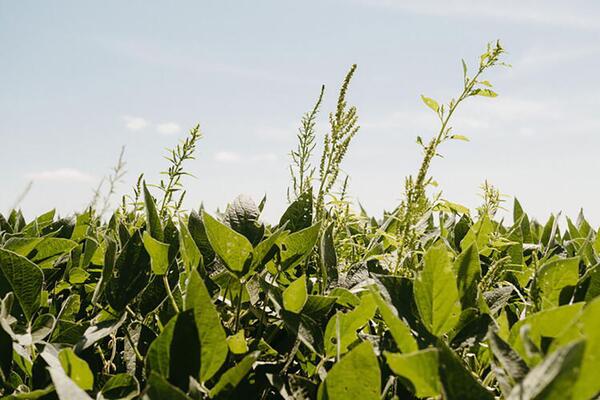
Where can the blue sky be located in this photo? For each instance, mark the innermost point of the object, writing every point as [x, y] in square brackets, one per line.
[81, 79]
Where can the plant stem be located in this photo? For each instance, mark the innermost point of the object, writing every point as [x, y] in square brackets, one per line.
[238, 309]
[170, 293]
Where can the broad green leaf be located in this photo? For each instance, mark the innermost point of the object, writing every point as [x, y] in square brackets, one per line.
[130, 274]
[51, 248]
[153, 223]
[242, 216]
[399, 330]
[22, 246]
[158, 358]
[479, 233]
[543, 324]
[65, 387]
[296, 247]
[175, 353]
[295, 295]
[160, 388]
[159, 254]
[198, 232]
[298, 215]
[431, 103]
[190, 254]
[231, 247]
[120, 386]
[586, 326]
[435, 292]
[329, 271]
[237, 343]
[554, 377]
[317, 307]
[458, 381]
[76, 369]
[420, 368]
[355, 376]
[23, 278]
[552, 278]
[264, 251]
[233, 376]
[77, 276]
[468, 272]
[212, 337]
[342, 327]
[509, 359]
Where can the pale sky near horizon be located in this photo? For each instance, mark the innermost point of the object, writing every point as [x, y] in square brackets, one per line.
[80, 79]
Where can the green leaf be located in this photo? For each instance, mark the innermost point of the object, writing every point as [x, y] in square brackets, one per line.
[242, 216]
[420, 368]
[341, 328]
[328, 260]
[479, 233]
[460, 137]
[212, 337]
[543, 324]
[468, 272]
[435, 292]
[298, 215]
[23, 278]
[76, 369]
[65, 387]
[160, 388]
[130, 274]
[431, 103]
[190, 254]
[554, 377]
[233, 376]
[295, 295]
[296, 247]
[552, 278]
[232, 248]
[585, 326]
[120, 386]
[198, 232]
[175, 354]
[355, 376]
[399, 330]
[159, 254]
[237, 343]
[509, 359]
[485, 93]
[457, 380]
[152, 219]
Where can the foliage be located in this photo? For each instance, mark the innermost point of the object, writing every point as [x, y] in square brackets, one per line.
[328, 303]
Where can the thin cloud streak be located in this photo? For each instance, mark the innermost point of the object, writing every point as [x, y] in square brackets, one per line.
[546, 13]
[135, 123]
[168, 128]
[60, 175]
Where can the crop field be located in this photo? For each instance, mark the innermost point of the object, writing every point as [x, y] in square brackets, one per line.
[149, 300]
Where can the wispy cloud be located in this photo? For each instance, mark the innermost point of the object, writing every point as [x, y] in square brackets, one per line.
[564, 14]
[135, 123]
[227, 157]
[60, 174]
[168, 128]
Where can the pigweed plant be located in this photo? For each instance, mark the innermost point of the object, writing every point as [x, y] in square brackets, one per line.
[430, 301]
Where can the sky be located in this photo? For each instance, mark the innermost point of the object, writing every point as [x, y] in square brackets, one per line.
[81, 79]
